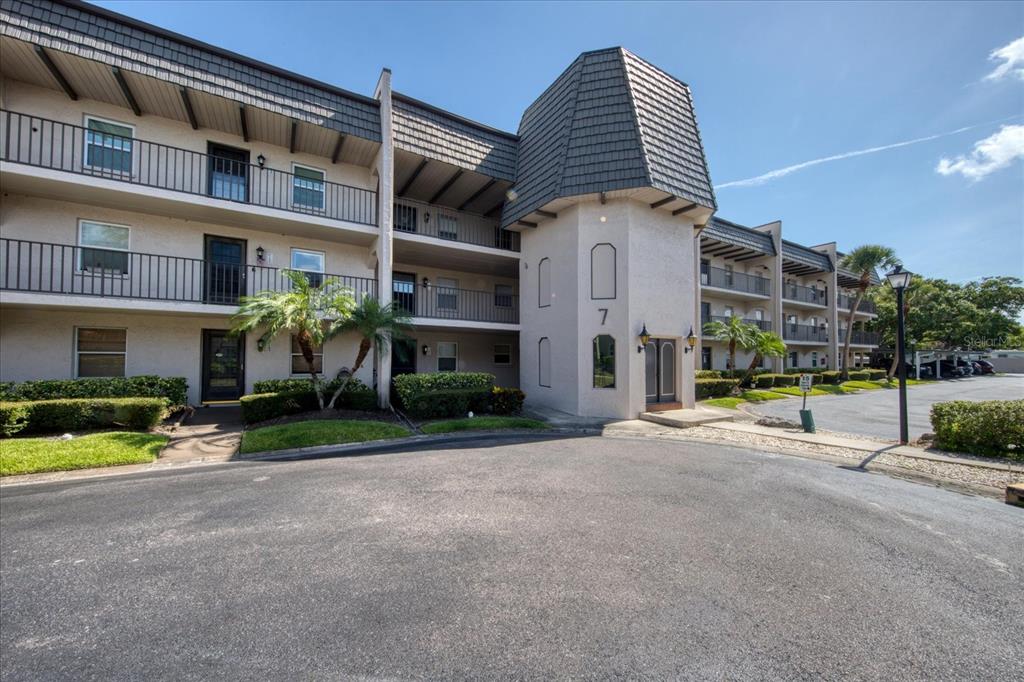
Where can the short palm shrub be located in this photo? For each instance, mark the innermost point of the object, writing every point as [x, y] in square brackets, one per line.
[990, 427]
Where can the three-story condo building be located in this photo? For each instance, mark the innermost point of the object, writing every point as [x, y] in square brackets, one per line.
[149, 181]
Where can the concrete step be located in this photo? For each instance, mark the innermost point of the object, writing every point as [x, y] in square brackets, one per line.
[685, 419]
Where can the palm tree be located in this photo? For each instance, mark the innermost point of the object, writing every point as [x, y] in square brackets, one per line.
[864, 261]
[734, 332]
[313, 314]
[377, 325]
[764, 345]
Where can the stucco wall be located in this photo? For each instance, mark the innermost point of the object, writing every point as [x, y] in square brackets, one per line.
[475, 353]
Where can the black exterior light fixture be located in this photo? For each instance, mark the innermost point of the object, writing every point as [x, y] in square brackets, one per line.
[426, 282]
[426, 349]
[691, 341]
[645, 337]
[261, 160]
[899, 280]
[261, 254]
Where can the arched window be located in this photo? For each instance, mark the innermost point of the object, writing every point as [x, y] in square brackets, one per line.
[544, 283]
[604, 361]
[544, 362]
[602, 271]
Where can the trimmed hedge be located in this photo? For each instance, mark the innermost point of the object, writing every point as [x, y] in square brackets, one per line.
[831, 376]
[708, 374]
[804, 370]
[411, 386]
[714, 388]
[876, 374]
[451, 402]
[785, 379]
[764, 381]
[258, 407]
[78, 414]
[990, 427]
[859, 375]
[174, 389]
[507, 400]
[293, 385]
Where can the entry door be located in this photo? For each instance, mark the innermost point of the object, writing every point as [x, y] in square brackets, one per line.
[403, 357]
[223, 365]
[403, 286]
[225, 270]
[228, 173]
[660, 371]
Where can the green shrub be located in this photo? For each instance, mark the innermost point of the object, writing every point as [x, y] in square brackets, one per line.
[876, 374]
[452, 402]
[175, 389]
[507, 400]
[714, 388]
[831, 376]
[78, 414]
[785, 379]
[991, 427]
[296, 384]
[411, 386]
[708, 374]
[859, 375]
[259, 407]
[804, 370]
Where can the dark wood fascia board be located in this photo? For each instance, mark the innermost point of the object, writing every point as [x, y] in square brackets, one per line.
[190, 112]
[55, 72]
[337, 148]
[525, 223]
[546, 214]
[244, 121]
[294, 137]
[125, 90]
[661, 202]
[684, 209]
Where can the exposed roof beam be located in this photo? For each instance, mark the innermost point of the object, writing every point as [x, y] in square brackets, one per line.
[295, 137]
[55, 72]
[751, 256]
[495, 209]
[661, 202]
[525, 223]
[189, 111]
[337, 148]
[603, 198]
[126, 91]
[684, 209]
[245, 122]
[715, 250]
[412, 178]
[733, 252]
[445, 187]
[546, 214]
[476, 195]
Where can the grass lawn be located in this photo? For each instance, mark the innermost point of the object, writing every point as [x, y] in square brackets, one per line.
[730, 403]
[795, 390]
[867, 385]
[483, 424]
[318, 432]
[835, 389]
[757, 395]
[109, 448]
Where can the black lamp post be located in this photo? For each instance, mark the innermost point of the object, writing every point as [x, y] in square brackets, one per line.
[899, 280]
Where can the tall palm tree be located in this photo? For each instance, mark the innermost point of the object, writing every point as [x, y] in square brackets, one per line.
[735, 332]
[313, 314]
[377, 325]
[864, 261]
[764, 345]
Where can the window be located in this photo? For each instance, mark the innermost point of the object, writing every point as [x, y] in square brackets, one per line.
[405, 218]
[705, 357]
[705, 271]
[728, 275]
[299, 364]
[447, 356]
[308, 187]
[311, 263]
[794, 359]
[544, 362]
[447, 293]
[104, 247]
[503, 295]
[447, 226]
[602, 272]
[604, 361]
[814, 358]
[729, 311]
[108, 145]
[705, 313]
[544, 283]
[100, 352]
[503, 354]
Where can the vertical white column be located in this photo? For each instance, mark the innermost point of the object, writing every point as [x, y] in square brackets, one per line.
[775, 268]
[385, 166]
[833, 307]
[698, 327]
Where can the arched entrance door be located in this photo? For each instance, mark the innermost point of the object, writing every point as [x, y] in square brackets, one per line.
[660, 374]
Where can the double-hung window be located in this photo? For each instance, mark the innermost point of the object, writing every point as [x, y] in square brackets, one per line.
[308, 188]
[103, 248]
[447, 356]
[311, 263]
[100, 352]
[503, 295]
[604, 361]
[503, 354]
[299, 363]
[447, 294]
[447, 226]
[108, 146]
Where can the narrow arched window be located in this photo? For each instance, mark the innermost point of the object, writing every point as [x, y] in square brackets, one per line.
[544, 362]
[604, 361]
[602, 271]
[544, 283]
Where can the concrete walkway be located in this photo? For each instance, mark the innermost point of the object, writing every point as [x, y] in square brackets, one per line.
[211, 434]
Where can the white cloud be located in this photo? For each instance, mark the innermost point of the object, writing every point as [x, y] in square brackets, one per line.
[1012, 58]
[995, 152]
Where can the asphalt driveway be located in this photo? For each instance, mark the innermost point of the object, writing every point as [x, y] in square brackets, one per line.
[582, 557]
[876, 413]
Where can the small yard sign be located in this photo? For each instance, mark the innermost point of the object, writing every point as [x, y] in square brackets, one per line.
[805, 383]
[806, 418]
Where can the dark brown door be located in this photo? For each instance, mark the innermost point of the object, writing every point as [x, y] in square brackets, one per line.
[223, 365]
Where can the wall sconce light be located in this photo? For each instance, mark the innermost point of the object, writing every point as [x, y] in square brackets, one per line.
[691, 341]
[645, 337]
[261, 160]
[261, 255]
[261, 344]
[426, 349]
[426, 282]
[426, 217]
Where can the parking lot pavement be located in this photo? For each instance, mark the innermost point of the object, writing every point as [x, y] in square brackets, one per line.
[590, 557]
[876, 413]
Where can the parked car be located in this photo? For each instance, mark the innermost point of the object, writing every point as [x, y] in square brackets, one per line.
[948, 369]
[965, 366]
[984, 367]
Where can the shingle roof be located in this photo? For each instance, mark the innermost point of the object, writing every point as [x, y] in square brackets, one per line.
[733, 233]
[97, 34]
[610, 121]
[438, 134]
[806, 256]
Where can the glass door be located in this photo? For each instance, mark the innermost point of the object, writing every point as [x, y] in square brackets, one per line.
[403, 291]
[223, 365]
[225, 270]
[228, 173]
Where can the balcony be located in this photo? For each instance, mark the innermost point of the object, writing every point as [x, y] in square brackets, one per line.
[447, 303]
[438, 222]
[804, 333]
[802, 294]
[38, 267]
[763, 325]
[52, 145]
[843, 302]
[721, 278]
[861, 337]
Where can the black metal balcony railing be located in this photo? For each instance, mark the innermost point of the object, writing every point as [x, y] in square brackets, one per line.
[802, 294]
[447, 303]
[722, 278]
[861, 337]
[415, 217]
[40, 142]
[82, 271]
[763, 325]
[843, 302]
[804, 332]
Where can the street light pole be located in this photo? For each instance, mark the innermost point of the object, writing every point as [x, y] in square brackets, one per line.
[902, 365]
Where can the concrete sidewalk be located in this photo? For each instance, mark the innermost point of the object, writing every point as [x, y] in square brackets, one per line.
[210, 434]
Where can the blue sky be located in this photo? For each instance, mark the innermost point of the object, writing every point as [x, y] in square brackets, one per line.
[775, 85]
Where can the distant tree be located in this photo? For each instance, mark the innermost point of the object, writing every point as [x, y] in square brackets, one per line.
[864, 261]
